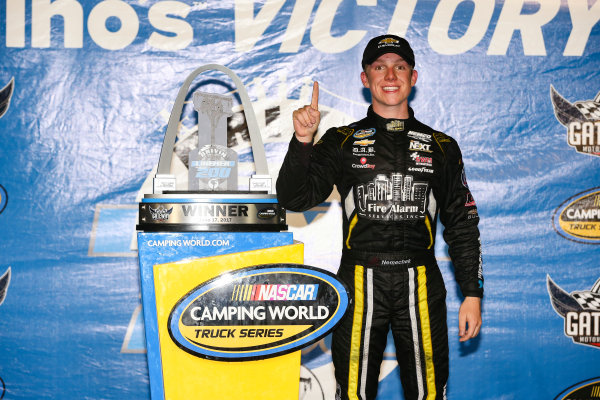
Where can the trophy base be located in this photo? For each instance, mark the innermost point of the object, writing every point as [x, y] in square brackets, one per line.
[207, 211]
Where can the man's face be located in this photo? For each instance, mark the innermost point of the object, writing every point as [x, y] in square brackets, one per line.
[390, 80]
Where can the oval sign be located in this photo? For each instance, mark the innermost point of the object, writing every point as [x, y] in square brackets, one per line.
[578, 218]
[258, 312]
[583, 390]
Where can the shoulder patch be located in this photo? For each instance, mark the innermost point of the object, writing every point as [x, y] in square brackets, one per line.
[441, 137]
[344, 130]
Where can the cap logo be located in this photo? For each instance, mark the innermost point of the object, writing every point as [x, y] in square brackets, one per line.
[388, 41]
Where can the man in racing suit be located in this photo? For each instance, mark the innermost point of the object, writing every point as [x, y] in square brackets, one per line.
[394, 175]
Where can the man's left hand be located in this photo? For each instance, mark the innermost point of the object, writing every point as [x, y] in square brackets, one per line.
[469, 318]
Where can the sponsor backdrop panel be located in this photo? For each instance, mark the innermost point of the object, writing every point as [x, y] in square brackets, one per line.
[86, 89]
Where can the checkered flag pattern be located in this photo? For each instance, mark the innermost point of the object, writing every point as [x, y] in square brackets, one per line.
[589, 109]
[587, 300]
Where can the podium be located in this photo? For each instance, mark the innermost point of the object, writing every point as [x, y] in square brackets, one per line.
[173, 264]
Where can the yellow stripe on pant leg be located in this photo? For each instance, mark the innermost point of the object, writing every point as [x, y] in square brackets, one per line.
[426, 332]
[355, 339]
[352, 224]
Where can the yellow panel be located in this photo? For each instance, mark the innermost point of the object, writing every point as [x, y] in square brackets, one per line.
[189, 377]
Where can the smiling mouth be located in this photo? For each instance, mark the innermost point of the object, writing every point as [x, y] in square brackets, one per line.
[390, 88]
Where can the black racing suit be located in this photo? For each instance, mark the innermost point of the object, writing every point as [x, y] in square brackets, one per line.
[394, 177]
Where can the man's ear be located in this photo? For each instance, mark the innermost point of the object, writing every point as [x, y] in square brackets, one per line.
[413, 79]
[364, 80]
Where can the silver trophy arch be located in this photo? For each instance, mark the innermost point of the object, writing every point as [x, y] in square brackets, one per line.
[166, 181]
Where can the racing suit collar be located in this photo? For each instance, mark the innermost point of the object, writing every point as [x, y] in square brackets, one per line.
[391, 124]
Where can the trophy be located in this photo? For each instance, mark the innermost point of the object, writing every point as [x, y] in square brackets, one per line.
[212, 165]
[212, 201]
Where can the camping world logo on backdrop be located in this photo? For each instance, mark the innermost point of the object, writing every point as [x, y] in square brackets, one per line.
[258, 312]
[580, 310]
[582, 120]
[578, 217]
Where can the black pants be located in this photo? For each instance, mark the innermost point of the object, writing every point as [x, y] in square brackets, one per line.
[404, 292]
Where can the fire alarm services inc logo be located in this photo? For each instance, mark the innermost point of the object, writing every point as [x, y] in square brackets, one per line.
[258, 312]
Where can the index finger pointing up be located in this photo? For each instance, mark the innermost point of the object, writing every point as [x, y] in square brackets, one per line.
[314, 103]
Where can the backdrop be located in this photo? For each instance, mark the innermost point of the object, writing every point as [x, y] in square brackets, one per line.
[87, 87]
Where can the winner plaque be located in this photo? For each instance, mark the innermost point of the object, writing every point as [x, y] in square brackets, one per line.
[212, 201]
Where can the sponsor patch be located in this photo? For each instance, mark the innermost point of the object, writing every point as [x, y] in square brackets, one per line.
[578, 217]
[258, 312]
[423, 137]
[364, 142]
[418, 146]
[470, 201]
[580, 311]
[364, 133]
[363, 165]
[394, 197]
[387, 41]
[582, 120]
[395, 126]
[363, 151]
[421, 169]
[421, 160]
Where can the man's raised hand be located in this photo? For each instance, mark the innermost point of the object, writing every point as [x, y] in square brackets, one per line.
[306, 119]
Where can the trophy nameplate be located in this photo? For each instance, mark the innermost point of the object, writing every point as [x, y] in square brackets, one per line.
[206, 211]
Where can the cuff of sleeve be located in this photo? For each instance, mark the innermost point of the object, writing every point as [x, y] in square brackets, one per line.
[473, 293]
[302, 150]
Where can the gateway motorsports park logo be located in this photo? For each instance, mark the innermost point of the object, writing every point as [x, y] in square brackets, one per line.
[587, 390]
[582, 120]
[578, 217]
[580, 310]
[258, 312]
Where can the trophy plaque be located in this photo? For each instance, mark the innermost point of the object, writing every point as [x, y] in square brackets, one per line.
[212, 201]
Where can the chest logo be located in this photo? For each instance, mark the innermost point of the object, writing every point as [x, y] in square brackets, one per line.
[394, 197]
[364, 133]
[421, 160]
[418, 146]
[423, 137]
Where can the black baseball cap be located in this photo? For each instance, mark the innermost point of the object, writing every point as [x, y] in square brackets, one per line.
[387, 44]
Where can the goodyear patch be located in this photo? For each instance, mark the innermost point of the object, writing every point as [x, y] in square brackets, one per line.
[258, 312]
[578, 217]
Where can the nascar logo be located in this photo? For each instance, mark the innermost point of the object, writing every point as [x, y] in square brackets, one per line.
[240, 315]
[274, 292]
